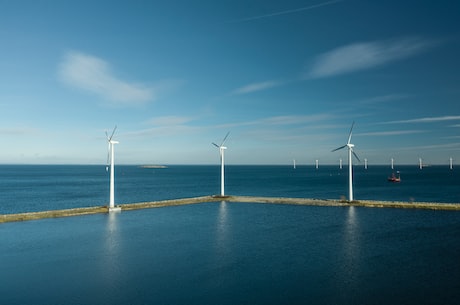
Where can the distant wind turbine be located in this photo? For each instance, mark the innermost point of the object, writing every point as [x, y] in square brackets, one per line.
[221, 151]
[392, 163]
[110, 158]
[340, 163]
[450, 163]
[365, 163]
[316, 163]
[350, 164]
[420, 164]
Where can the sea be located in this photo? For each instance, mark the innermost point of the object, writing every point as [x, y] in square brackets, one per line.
[229, 252]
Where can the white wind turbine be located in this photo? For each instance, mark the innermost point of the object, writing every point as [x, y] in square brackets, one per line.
[110, 157]
[221, 151]
[350, 164]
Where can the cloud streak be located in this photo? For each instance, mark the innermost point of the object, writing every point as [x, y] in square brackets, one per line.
[256, 87]
[390, 133]
[287, 11]
[94, 75]
[428, 119]
[366, 55]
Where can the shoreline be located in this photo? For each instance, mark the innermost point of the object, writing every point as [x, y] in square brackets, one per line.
[245, 199]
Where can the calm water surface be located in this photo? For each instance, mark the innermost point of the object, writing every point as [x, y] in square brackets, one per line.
[234, 253]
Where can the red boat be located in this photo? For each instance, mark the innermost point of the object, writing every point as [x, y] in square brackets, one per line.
[394, 178]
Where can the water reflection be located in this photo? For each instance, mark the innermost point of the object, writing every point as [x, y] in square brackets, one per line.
[111, 235]
[222, 230]
[111, 252]
[350, 267]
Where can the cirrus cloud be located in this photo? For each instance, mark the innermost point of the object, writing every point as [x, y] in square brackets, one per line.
[366, 55]
[254, 87]
[94, 75]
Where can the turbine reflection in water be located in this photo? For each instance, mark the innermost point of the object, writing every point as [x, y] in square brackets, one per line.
[351, 251]
[222, 232]
[110, 265]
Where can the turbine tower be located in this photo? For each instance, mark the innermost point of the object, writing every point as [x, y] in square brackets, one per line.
[110, 157]
[221, 151]
[350, 164]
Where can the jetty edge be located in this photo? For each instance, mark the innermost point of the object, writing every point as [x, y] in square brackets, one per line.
[217, 198]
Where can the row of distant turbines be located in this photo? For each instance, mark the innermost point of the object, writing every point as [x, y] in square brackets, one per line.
[420, 163]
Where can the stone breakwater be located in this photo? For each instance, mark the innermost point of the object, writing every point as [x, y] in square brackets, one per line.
[247, 199]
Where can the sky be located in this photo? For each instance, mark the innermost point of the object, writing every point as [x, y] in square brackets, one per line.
[286, 78]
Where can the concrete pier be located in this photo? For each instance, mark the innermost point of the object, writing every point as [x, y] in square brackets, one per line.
[248, 199]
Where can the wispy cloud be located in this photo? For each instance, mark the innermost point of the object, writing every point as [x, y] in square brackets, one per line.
[366, 55]
[169, 120]
[297, 10]
[428, 119]
[428, 147]
[390, 133]
[385, 98]
[166, 126]
[256, 87]
[93, 74]
[283, 120]
[296, 119]
[18, 131]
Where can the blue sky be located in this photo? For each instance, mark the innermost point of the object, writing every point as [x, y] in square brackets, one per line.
[286, 78]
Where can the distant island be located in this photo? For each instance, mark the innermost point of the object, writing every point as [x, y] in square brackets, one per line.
[153, 166]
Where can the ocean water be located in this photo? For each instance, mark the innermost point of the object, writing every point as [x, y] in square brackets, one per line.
[48, 187]
[234, 253]
[228, 252]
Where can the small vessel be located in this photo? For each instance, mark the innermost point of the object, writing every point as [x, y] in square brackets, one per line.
[395, 178]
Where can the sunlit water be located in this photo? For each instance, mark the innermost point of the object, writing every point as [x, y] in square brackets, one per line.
[234, 253]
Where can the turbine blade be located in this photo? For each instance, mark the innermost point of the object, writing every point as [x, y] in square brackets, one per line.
[356, 156]
[113, 132]
[341, 147]
[107, 135]
[223, 142]
[215, 145]
[351, 131]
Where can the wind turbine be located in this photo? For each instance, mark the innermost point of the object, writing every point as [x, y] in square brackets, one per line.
[110, 157]
[350, 164]
[221, 150]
